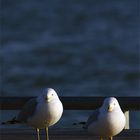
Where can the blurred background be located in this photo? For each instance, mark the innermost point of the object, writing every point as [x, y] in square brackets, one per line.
[77, 47]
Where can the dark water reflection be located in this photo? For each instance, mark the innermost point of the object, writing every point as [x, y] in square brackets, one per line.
[77, 47]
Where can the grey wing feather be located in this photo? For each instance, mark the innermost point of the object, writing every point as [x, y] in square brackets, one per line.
[92, 118]
[27, 111]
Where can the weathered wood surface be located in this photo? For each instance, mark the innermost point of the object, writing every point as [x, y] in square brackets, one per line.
[62, 134]
[72, 103]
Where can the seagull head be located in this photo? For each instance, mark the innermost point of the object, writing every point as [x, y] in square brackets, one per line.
[49, 94]
[110, 104]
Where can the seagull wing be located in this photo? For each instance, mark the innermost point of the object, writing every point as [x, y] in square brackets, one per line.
[27, 111]
[92, 118]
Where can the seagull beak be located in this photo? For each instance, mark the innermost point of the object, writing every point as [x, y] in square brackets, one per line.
[110, 107]
[48, 98]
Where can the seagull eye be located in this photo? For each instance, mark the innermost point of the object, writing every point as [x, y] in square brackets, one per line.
[52, 94]
[114, 104]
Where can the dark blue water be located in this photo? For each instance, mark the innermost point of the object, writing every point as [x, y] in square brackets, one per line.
[79, 48]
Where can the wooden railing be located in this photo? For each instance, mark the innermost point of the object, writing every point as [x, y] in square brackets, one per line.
[76, 103]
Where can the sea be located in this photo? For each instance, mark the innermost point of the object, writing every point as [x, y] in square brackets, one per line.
[77, 47]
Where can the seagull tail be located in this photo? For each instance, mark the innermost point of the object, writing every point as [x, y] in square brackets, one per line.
[12, 121]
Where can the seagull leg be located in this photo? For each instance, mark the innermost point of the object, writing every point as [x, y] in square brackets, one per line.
[101, 138]
[38, 136]
[47, 135]
[111, 138]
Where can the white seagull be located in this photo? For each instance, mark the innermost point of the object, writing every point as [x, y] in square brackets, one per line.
[107, 121]
[41, 112]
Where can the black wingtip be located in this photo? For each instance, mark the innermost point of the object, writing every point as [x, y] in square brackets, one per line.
[79, 123]
[12, 121]
[3, 123]
[82, 123]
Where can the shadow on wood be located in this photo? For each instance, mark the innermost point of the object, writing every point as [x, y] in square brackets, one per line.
[73, 103]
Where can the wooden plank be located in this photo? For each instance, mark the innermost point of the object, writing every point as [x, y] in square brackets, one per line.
[63, 134]
[72, 103]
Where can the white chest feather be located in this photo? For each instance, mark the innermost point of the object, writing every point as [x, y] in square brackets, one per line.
[108, 124]
[46, 114]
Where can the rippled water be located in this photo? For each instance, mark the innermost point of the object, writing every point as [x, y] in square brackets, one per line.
[80, 48]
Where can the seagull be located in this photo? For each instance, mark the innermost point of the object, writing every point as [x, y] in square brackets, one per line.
[107, 121]
[40, 112]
